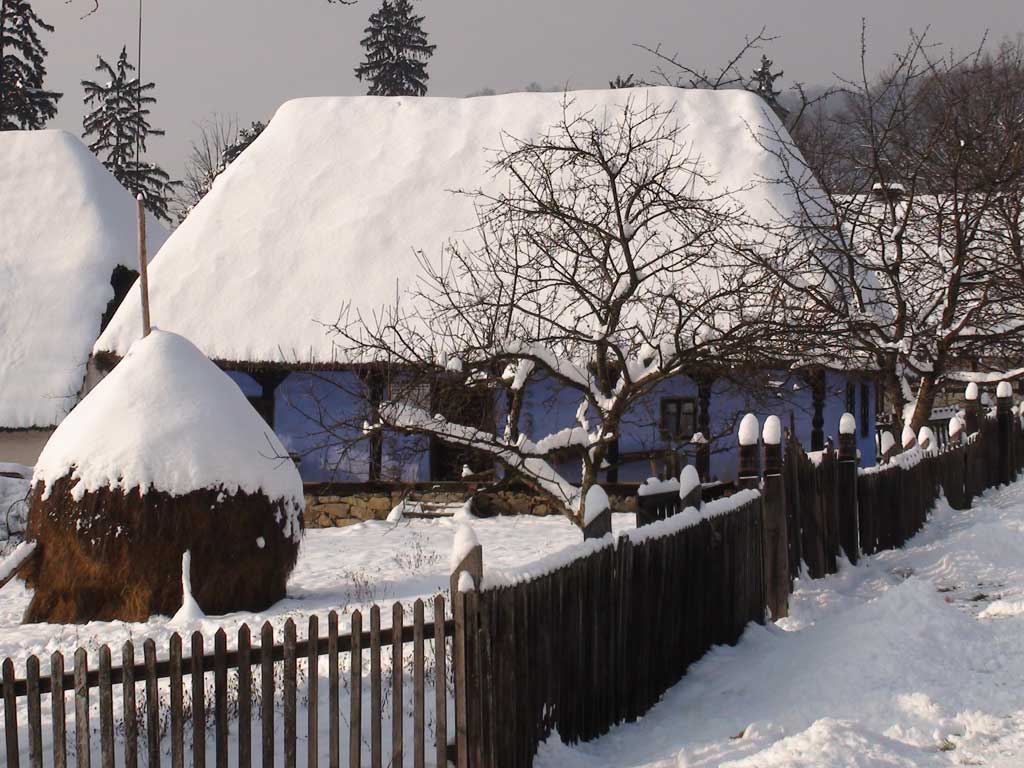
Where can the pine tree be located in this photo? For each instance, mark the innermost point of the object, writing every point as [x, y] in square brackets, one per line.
[396, 52]
[119, 127]
[24, 103]
[763, 84]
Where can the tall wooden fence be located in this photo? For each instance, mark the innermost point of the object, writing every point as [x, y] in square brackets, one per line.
[166, 710]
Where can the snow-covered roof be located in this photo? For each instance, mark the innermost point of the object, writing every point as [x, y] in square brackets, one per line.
[330, 204]
[168, 419]
[65, 224]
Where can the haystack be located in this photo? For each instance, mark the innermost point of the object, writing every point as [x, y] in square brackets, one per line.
[164, 456]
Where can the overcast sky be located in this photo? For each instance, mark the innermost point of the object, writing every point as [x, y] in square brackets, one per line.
[243, 58]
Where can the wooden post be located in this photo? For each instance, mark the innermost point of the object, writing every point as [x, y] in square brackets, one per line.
[471, 564]
[1004, 418]
[846, 488]
[971, 408]
[775, 530]
[140, 211]
[749, 475]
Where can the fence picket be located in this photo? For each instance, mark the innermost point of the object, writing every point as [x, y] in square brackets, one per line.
[312, 690]
[355, 735]
[57, 713]
[419, 744]
[220, 696]
[267, 693]
[333, 700]
[35, 720]
[244, 697]
[197, 680]
[440, 685]
[82, 754]
[290, 690]
[10, 716]
[128, 706]
[397, 615]
[177, 703]
[106, 710]
[375, 685]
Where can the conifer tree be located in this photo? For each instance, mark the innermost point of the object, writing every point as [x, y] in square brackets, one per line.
[24, 103]
[763, 84]
[119, 127]
[396, 52]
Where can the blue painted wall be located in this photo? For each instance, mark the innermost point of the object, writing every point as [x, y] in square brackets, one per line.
[338, 398]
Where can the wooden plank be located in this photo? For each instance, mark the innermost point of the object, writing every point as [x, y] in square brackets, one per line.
[461, 735]
[267, 693]
[333, 692]
[440, 685]
[35, 719]
[355, 718]
[397, 735]
[129, 707]
[152, 702]
[220, 697]
[177, 704]
[419, 742]
[59, 724]
[106, 710]
[198, 702]
[10, 716]
[244, 697]
[82, 754]
[375, 688]
[313, 693]
[289, 684]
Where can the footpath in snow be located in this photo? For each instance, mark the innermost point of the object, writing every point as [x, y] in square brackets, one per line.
[912, 658]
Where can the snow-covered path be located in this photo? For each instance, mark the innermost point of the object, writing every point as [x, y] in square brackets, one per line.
[913, 658]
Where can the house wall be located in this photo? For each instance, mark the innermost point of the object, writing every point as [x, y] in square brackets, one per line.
[23, 446]
[314, 413]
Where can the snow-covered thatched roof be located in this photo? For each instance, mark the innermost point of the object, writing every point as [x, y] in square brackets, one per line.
[65, 224]
[167, 419]
[331, 202]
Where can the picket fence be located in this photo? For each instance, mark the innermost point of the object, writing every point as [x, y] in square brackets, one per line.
[589, 642]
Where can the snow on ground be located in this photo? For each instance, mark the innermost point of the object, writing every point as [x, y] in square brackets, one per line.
[338, 569]
[912, 658]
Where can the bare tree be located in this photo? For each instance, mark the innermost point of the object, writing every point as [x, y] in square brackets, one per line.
[610, 263]
[907, 227]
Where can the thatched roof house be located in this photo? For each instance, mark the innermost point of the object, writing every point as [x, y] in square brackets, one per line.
[68, 254]
[329, 207]
[163, 456]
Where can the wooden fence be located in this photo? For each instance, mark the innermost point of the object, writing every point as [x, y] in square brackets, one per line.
[157, 729]
[597, 640]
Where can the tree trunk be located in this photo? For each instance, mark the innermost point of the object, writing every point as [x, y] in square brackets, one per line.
[926, 392]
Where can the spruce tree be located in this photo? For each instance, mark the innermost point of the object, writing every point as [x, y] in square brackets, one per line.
[763, 84]
[396, 52]
[24, 103]
[118, 127]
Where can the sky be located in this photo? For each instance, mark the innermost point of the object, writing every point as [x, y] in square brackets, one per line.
[243, 58]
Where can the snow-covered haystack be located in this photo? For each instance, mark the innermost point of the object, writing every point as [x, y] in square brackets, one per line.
[164, 456]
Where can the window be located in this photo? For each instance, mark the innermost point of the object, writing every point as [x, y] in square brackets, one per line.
[678, 418]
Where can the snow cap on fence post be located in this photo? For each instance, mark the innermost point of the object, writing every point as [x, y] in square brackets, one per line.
[956, 428]
[926, 439]
[847, 437]
[771, 435]
[467, 557]
[1004, 391]
[886, 446]
[908, 439]
[597, 513]
[690, 489]
[749, 469]
[971, 408]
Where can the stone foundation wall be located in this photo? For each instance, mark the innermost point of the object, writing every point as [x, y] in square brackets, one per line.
[336, 506]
